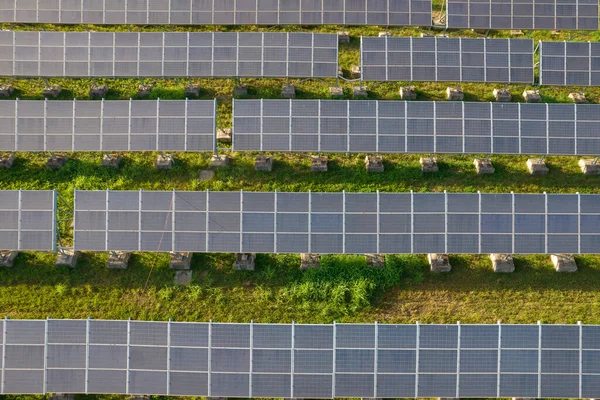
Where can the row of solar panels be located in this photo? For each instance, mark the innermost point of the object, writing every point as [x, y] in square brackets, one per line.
[328, 223]
[342, 126]
[481, 14]
[290, 360]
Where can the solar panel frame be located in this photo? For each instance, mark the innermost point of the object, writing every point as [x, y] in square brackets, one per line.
[569, 63]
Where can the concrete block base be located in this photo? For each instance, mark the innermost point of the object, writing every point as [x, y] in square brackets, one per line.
[532, 96]
[374, 163]
[144, 90]
[578, 98]
[336, 92]
[7, 160]
[564, 262]
[288, 92]
[502, 95]
[428, 164]
[219, 160]
[375, 260]
[408, 93]
[360, 92]
[454, 94]
[224, 135]
[484, 166]
[7, 258]
[191, 90]
[56, 161]
[180, 261]
[384, 34]
[537, 166]
[355, 72]
[240, 91]
[343, 37]
[164, 161]
[67, 258]
[262, 163]
[439, 262]
[318, 163]
[206, 175]
[98, 92]
[6, 90]
[111, 160]
[502, 262]
[118, 260]
[245, 262]
[183, 277]
[52, 91]
[309, 260]
[588, 167]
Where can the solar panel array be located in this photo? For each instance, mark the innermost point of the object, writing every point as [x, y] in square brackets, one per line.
[393, 58]
[28, 220]
[356, 126]
[219, 12]
[74, 125]
[570, 63]
[337, 223]
[307, 361]
[168, 54]
[523, 14]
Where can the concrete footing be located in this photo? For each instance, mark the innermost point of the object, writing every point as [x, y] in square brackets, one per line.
[98, 92]
[336, 92]
[374, 163]
[309, 260]
[375, 260]
[532, 96]
[439, 262]
[224, 135]
[219, 160]
[537, 166]
[183, 277]
[355, 72]
[578, 98]
[484, 166]
[318, 163]
[191, 90]
[6, 90]
[206, 175]
[288, 92]
[67, 258]
[360, 92]
[262, 163]
[564, 262]
[240, 91]
[52, 91]
[180, 261]
[454, 94]
[384, 34]
[118, 260]
[343, 37]
[111, 160]
[7, 160]
[164, 161]
[56, 161]
[589, 167]
[408, 93]
[502, 262]
[428, 164]
[144, 90]
[502, 95]
[7, 258]
[245, 262]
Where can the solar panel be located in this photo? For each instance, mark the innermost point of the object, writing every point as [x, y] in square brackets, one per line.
[529, 14]
[219, 12]
[168, 54]
[421, 127]
[28, 220]
[336, 223]
[446, 59]
[569, 63]
[148, 125]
